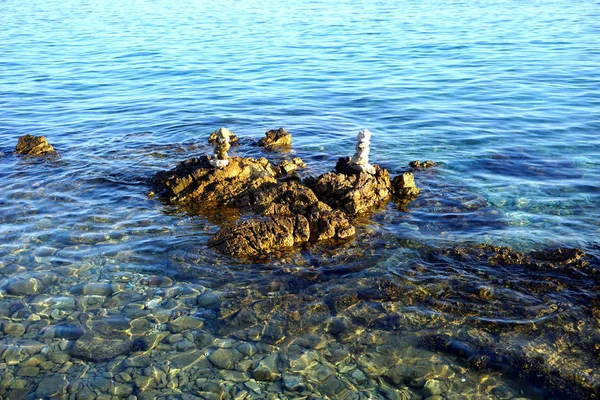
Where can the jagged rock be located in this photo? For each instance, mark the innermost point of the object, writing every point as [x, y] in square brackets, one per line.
[351, 191]
[233, 139]
[282, 199]
[196, 180]
[34, 146]
[404, 185]
[257, 237]
[276, 138]
[260, 237]
[286, 167]
[330, 225]
[421, 165]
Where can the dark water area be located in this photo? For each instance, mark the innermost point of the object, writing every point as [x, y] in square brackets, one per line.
[105, 292]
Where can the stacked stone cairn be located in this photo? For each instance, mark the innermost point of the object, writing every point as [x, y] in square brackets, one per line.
[360, 159]
[221, 145]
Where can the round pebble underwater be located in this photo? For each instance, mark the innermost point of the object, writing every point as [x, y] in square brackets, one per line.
[484, 286]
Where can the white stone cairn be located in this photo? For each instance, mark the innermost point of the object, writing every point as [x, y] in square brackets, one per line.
[221, 159]
[360, 160]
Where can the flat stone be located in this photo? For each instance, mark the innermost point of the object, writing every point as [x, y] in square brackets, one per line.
[24, 286]
[208, 300]
[28, 371]
[434, 387]
[184, 323]
[101, 348]
[225, 358]
[13, 329]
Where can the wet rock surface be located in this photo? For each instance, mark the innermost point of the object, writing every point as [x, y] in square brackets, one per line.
[351, 191]
[276, 138]
[34, 146]
[404, 185]
[421, 165]
[257, 237]
[196, 180]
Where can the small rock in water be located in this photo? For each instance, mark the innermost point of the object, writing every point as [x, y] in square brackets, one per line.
[404, 185]
[276, 138]
[421, 165]
[34, 146]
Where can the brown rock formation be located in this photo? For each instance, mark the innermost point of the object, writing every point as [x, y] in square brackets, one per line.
[282, 199]
[259, 237]
[34, 146]
[276, 138]
[196, 180]
[351, 191]
[286, 167]
[404, 185]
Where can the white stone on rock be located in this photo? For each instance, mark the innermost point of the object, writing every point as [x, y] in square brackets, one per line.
[221, 158]
[360, 159]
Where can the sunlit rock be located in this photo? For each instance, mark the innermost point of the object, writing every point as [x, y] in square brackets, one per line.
[276, 138]
[34, 146]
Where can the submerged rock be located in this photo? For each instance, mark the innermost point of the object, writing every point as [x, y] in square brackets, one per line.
[276, 138]
[351, 191]
[196, 180]
[404, 185]
[94, 347]
[34, 146]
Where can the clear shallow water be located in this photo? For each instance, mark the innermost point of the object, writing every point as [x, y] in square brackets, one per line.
[505, 96]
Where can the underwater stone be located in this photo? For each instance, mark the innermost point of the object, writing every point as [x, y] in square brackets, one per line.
[276, 138]
[51, 385]
[225, 358]
[24, 286]
[34, 146]
[185, 323]
[100, 348]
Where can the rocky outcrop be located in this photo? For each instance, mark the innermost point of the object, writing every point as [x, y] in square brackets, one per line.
[282, 199]
[287, 167]
[196, 180]
[404, 185]
[259, 237]
[34, 146]
[330, 225]
[351, 191]
[276, 138]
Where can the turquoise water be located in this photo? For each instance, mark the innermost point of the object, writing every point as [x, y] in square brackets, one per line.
[504, 96]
